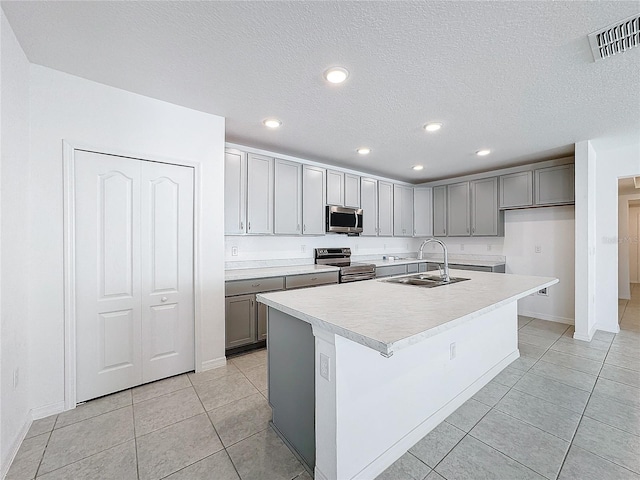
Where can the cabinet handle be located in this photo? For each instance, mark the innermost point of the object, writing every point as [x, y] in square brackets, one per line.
[298, 228]
[241, 225]
[255, 285]
[249, 225]
[313, 279]
[473, 230]
[467, 229]
[304, 227]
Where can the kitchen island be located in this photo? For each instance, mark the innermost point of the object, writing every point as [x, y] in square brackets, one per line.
[359, 372]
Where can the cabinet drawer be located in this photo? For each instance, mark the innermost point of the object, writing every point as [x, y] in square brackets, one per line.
[311, 280]
[412, 268]
[390, 271]
[256, 285]
[475, 268]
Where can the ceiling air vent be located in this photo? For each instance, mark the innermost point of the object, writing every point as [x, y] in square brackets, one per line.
[616, 38]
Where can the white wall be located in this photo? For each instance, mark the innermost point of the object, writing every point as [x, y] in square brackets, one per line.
[628, 247]
[77, 110]
[613, 157]
[553, 230]
[14, 93]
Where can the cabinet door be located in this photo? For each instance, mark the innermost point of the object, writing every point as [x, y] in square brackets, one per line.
[240, 320]
[422, 212]
[385, 209]
[516, 190]
[351, 190]
[262, 320]
[259, 194]
[235, 193]
[555, 185]
[335, 188]
[407, 211]
[369, 197]
[484, 207]
[440, 211]
[313, 200]
[458, 222]
[287, 198]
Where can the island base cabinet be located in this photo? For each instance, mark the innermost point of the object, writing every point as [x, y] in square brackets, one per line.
[291, 383]
[369, 409]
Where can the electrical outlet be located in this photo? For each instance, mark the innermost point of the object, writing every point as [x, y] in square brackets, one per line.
[356, 247]
[325, 367]
[234, 251]
[462, 247]
[303, 248]
[16, 378]
[385, 246]
[538, 249]
[544, 292]
[488, 248]
[452, 351]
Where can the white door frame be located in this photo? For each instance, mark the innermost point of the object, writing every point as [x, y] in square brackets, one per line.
[69, 149]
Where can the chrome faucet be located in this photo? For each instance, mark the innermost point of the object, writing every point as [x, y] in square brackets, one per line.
[444, 276]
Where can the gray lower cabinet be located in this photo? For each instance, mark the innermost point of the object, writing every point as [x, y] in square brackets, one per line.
[245, 318]
[474, 268]
[240, 320]
[390, 270]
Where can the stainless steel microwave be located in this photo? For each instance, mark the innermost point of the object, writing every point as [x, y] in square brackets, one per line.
[344, 220]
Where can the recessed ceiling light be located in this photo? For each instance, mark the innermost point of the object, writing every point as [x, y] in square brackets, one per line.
[433, 127]
[417, 167]
[484, 152]
[336, 75]
[272, 122]
[364, 151]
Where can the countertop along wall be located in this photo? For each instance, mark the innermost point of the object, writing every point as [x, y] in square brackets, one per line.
[80, 111]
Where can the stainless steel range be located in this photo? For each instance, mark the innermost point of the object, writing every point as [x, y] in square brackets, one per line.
[341, 257]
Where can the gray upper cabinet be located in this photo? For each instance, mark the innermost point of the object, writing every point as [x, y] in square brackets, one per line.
[555, 185]
[235, 193]
[351, 190]
[288, 198]
[335, 188]
[440, 211]
[402, 211]
[516, 190]
[259, 194]
[369, 205]
[458, 220]
[485, 216]
[385, 209]
[422, 212]
[313, 200]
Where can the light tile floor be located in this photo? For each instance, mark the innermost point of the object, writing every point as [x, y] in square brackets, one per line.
[565, 409]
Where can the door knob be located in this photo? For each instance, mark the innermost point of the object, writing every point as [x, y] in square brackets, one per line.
[163, 299]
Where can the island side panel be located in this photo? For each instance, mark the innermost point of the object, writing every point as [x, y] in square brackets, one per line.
[380, 407]
[291, 382]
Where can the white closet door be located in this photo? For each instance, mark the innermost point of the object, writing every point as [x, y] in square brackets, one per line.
[134, 273]
[167, 270]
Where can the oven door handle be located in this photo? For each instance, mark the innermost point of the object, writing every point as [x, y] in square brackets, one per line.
[355, 278]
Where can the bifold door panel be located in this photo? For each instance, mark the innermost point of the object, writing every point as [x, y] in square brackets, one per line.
[134, 272]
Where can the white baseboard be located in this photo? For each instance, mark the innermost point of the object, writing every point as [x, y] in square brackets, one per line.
[34, 414]
[47, 410]
[405, 443]
[210, 364]
[550, 318]
[587, 337]
[15, 446]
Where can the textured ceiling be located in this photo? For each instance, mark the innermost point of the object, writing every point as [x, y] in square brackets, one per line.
[515, 77]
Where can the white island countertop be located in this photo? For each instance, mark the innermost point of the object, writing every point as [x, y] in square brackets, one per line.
[389, 316]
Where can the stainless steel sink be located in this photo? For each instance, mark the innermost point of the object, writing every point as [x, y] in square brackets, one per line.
[424, 280]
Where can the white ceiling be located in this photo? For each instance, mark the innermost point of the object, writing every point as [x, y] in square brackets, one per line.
[516, 77]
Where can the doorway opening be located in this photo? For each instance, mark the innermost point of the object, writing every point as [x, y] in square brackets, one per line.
[628, 247]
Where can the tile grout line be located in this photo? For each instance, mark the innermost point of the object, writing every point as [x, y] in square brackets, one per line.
[135, 437]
